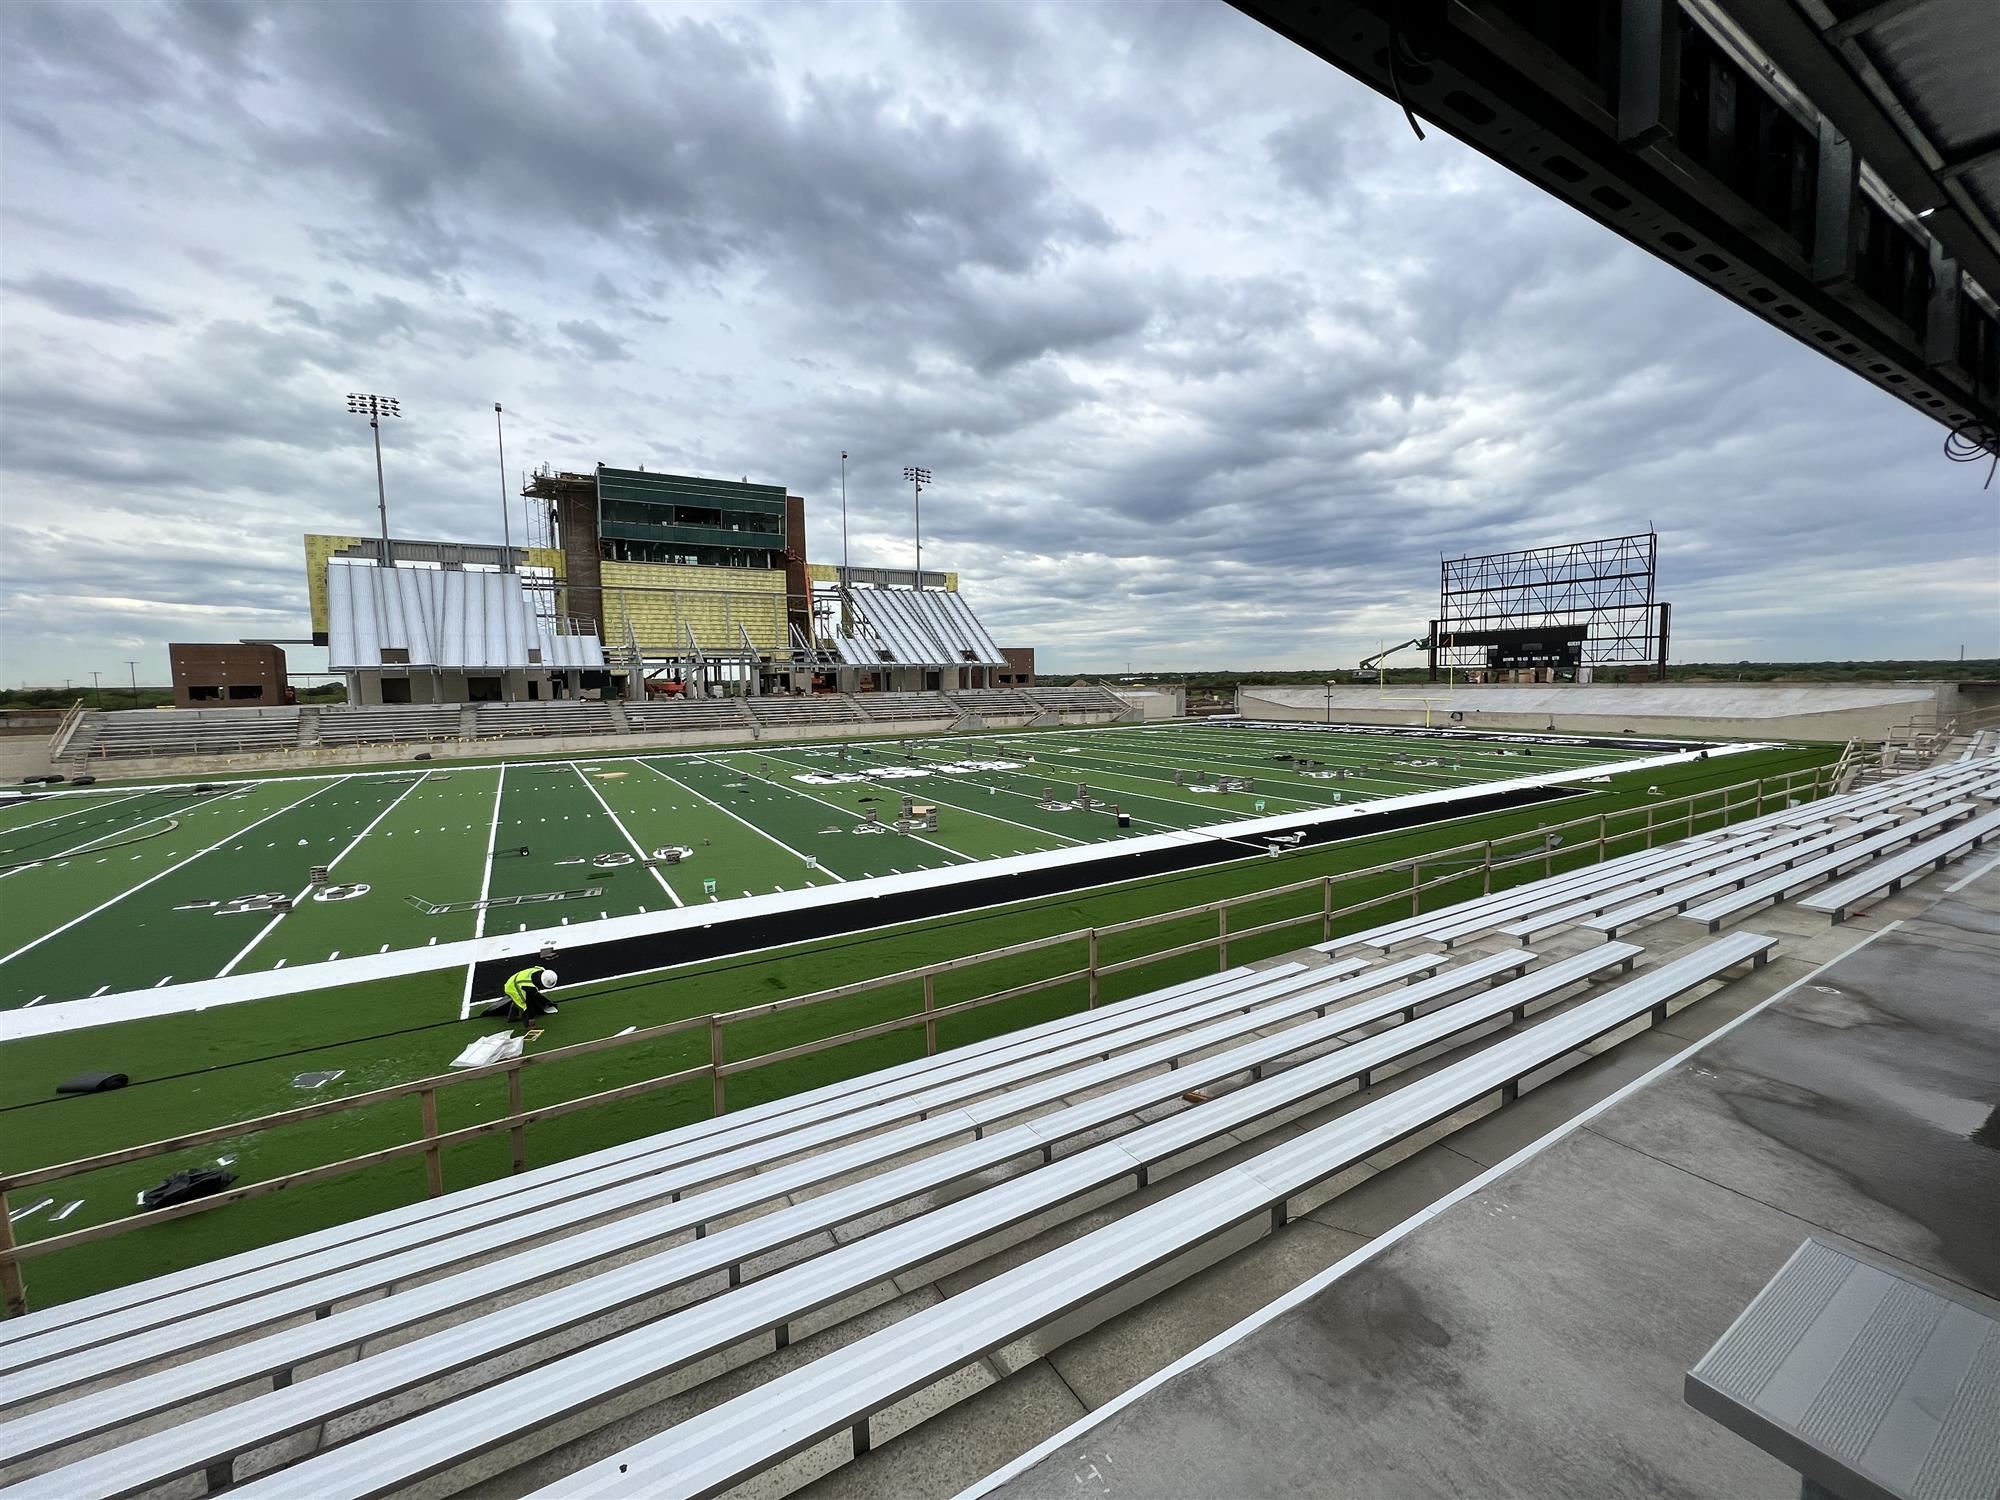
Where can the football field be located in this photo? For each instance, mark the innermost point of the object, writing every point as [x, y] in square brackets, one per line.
[120, 889]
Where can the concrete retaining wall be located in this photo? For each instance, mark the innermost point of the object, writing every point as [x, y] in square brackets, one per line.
[1721, 710]
[549, 747]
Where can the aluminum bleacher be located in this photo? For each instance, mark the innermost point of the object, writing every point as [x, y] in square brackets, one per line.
[341, 724]
[887, 706]
[423, 1346]
[212, 731]
[995, 701]
[492, 721]
[1890, 874]
[1076, 699]
[688, 713]
[823, 708]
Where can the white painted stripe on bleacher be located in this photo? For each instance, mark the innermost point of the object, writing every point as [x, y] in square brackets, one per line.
[1311, 1288]
[527, 943]
[1965, 880]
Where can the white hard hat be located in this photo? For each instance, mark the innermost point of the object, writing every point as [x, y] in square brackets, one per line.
[546, 979]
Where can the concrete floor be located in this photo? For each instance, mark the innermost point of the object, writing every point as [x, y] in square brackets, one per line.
[1531, 1339]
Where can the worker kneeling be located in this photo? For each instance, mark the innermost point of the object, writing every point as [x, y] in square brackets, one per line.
[525, 996]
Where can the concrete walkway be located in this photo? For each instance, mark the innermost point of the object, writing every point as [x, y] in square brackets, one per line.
[1531, 1339]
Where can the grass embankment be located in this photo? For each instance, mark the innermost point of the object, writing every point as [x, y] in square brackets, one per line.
[205, 1069]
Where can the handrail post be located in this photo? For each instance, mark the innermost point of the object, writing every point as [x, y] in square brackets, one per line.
[1222, 938]
[518, 1136]
[1326, 908]
[715, 1064]
[427, 1102]
[1416, 887]
[12, 1286]
[1649, 825]
[1486, 883]
[1091, 967]
[930, 1017]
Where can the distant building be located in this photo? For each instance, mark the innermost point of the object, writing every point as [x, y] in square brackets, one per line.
[1020, 668]
[632, 583]
[225, 675]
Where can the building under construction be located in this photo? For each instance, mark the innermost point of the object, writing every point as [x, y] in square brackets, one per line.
[636, 583]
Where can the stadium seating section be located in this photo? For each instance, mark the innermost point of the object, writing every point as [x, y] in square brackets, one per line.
[263, 731]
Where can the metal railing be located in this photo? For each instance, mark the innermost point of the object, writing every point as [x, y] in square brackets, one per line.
[1674, 818]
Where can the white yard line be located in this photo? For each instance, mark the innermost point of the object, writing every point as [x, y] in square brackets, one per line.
[129, 890]
[773, 838]
[637, 848]
[485, 887]
[271, 925]
[854, 817]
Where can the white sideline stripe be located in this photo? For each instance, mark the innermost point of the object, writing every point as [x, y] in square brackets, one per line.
[618, 823]
[676, 781]
[265, 931]
[485, 888]
[129, 890]
[526, 943]
[1966, 880]
[1312, 1287]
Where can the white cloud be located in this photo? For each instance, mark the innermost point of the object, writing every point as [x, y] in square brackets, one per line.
[1211, 358]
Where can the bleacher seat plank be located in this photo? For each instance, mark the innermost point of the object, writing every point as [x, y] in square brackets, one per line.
[427, 1443]
[731, 1442]
[1892, 872]
[1712, 914]
[278, 1353]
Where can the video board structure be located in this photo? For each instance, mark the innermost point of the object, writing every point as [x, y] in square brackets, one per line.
[1576, 604]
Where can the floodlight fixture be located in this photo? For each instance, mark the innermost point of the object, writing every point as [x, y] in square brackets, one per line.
[374, 408]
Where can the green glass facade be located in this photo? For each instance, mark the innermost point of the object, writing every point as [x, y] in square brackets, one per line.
[677, 518]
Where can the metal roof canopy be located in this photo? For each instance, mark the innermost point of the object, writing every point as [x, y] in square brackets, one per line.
[913, 628]
[443, 618]
[1831, 165]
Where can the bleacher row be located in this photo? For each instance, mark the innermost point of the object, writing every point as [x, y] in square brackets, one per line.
[256, 731]
[470, 1335]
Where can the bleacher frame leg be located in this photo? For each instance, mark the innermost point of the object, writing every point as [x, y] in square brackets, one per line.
[1510, 1091]
[860, 1431]
[1279, 1218]
[219, 1476]
[784, 1335]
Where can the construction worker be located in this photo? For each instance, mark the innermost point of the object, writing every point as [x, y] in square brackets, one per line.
[527, 994]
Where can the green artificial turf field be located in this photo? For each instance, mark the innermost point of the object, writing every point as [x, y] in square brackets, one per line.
[195, 1070]
[123, 889]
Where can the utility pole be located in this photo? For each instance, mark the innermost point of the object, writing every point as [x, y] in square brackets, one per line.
[96, 697]
[135, 682]
[918, 478]
[506, 539]
[374, 408]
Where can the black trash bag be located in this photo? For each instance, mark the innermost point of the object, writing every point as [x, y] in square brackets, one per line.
[196, 1182]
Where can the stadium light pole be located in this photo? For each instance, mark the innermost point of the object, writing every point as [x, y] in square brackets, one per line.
[506, 536]
[918, 479]
[374, 408]
[843, 518]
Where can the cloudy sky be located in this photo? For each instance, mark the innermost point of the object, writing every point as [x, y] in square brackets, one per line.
[1210, 356]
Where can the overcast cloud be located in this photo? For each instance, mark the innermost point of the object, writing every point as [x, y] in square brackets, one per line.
[1210, 356]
